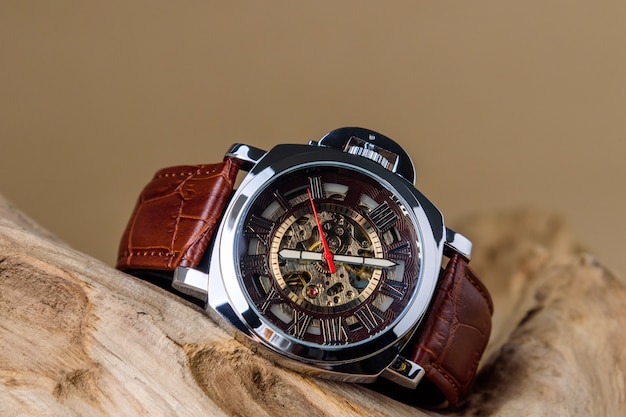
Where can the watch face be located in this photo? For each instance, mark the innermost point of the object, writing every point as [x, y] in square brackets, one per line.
[327, 255]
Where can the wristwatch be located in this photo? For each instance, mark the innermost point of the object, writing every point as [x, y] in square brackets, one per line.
[326, 255]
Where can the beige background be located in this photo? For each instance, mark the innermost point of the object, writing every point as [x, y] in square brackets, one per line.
[501, 104]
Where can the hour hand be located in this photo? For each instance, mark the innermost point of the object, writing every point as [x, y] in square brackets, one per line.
[300, 255]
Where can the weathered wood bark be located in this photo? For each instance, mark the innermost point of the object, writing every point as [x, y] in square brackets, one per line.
[78, 338]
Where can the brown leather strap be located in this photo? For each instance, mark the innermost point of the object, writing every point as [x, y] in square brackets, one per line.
[176, 215]
[455, 331]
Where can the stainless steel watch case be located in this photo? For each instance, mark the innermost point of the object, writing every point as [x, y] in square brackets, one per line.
[227, 303]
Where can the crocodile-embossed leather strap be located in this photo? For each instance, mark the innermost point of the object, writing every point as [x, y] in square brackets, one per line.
[454, 332]
[176, 215]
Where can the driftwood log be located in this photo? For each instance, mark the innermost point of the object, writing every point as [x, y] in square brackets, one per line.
[78, 338]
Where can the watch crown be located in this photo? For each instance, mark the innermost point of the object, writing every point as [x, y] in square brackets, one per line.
[374, 146]
[357, 146]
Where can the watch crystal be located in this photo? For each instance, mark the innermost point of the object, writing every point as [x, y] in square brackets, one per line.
[328, 255]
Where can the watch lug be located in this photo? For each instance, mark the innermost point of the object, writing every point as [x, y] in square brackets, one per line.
[456, 242]
[191, 282]
[404, 372]
[246, 155]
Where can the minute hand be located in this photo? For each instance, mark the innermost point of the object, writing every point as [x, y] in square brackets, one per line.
[290, 254]
[365, 261]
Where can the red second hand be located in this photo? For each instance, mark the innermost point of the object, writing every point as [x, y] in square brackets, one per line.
[327, 253]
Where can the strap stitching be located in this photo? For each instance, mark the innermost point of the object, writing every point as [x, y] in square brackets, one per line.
[199, 171]
[447, 376]
[479, 288]
[148, 253]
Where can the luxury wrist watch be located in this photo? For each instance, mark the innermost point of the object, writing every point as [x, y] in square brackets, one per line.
[326, 255]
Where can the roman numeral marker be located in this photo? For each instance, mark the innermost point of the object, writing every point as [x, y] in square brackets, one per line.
[395, 289]
[284, 203]
[334, 331]
[253, 264]
[272, 297]
[300, 324]
[383, 217]
[259, 227]
[317, 188]
[370, 317]
[399, 250]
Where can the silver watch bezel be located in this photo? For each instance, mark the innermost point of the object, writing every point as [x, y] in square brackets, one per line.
[227, 301]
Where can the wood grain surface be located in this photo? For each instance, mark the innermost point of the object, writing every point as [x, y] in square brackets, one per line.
[78, 338]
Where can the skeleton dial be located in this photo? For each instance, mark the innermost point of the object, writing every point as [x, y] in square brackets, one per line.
[328, 256]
